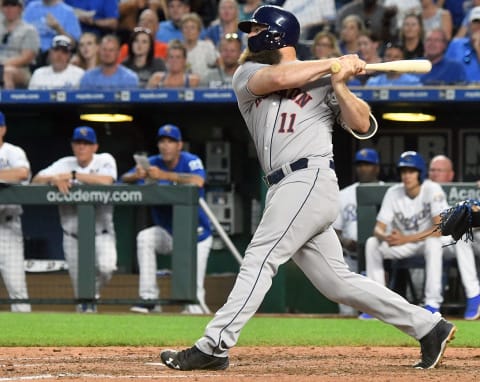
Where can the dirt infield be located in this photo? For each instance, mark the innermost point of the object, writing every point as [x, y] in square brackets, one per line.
[278, 364]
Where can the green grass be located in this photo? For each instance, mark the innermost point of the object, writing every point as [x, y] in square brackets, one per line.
[66, 329]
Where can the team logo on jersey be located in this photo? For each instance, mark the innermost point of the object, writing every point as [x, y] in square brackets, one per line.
[412, 223]
[299, 96]
[350, 213]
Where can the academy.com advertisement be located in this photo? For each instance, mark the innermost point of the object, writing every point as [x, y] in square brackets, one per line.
[96, 197]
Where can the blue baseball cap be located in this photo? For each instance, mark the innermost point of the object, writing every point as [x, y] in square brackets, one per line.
[84, 134]
[367, 156]
[170, 131]
[2, 119]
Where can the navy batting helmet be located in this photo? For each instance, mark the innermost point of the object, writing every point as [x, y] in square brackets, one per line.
[283, 28]
[412, 159]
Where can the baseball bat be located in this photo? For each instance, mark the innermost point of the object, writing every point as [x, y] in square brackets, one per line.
[399, 66]
[220, 230]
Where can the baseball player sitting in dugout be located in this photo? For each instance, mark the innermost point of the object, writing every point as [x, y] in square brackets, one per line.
[14, 168]
[171, 166]
[85, 167]
[408, 214]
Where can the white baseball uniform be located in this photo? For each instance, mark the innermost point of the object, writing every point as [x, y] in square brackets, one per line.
[105, 247]
[288, 126]
[12, 258]
[409, 216]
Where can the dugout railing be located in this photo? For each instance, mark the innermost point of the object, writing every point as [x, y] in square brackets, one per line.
[369, 199]
[184, 201]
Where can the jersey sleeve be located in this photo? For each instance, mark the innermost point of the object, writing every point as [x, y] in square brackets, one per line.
[240, 81]
[385, 215]
[56, 167]
[18, 158]
[438, 198]
[108, 166]
[195, 166]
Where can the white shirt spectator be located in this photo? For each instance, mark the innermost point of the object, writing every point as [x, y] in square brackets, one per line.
[311, 12]
[46, 78]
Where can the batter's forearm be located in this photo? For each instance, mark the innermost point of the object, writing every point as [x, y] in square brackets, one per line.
[355, 112]
[289, 75]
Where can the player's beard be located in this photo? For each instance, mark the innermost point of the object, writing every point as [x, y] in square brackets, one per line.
[269, 57]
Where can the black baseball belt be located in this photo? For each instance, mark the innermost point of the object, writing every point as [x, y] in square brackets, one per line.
[277, 175]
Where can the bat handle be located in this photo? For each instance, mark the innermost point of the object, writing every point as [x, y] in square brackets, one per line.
[335, 67]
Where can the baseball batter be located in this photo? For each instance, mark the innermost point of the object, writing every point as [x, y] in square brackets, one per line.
[85, 167]
[14, 168]
[172, 166]
[290, 108]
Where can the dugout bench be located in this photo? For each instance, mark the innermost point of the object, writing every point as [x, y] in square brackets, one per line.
[184, 200]
[369, 199]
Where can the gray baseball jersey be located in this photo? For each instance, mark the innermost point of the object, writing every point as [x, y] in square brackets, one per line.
[300, 208]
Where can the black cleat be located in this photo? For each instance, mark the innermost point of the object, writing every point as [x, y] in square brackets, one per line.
[434, 343]
[192, 359]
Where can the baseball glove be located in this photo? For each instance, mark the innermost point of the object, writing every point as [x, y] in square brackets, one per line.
[460, 220]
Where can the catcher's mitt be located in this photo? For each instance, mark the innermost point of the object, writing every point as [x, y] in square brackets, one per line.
[460, 219]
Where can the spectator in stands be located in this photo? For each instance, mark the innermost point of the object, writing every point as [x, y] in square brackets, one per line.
[170, 166]
[462, 50]
[441, 171]
[98, 16]
[473, 72]
[129, 15]
[408, 214]
[176, 75]
[226, 22]
[376, 17]
[14, 169]
[221, 76]
[403, 8]
[60, 74]
[85, 167]
[245, 11]
[393, 52]
[325, 45]
[148, 20]
[464, 26]
[109, 75]
[444, 71]
[412, 36]
[19, 44]
[367, 169]
[458, 9]
[313, 15]
[433, 16]
[201, 54]
[140, 57]
[171, 29]
[368, 47]
[50, 18]
[87, 52]
[352, 25]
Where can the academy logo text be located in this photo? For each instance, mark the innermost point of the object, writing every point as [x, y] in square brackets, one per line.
[96, 197]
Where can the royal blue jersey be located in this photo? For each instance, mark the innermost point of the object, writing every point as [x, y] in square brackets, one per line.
[189, 164]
